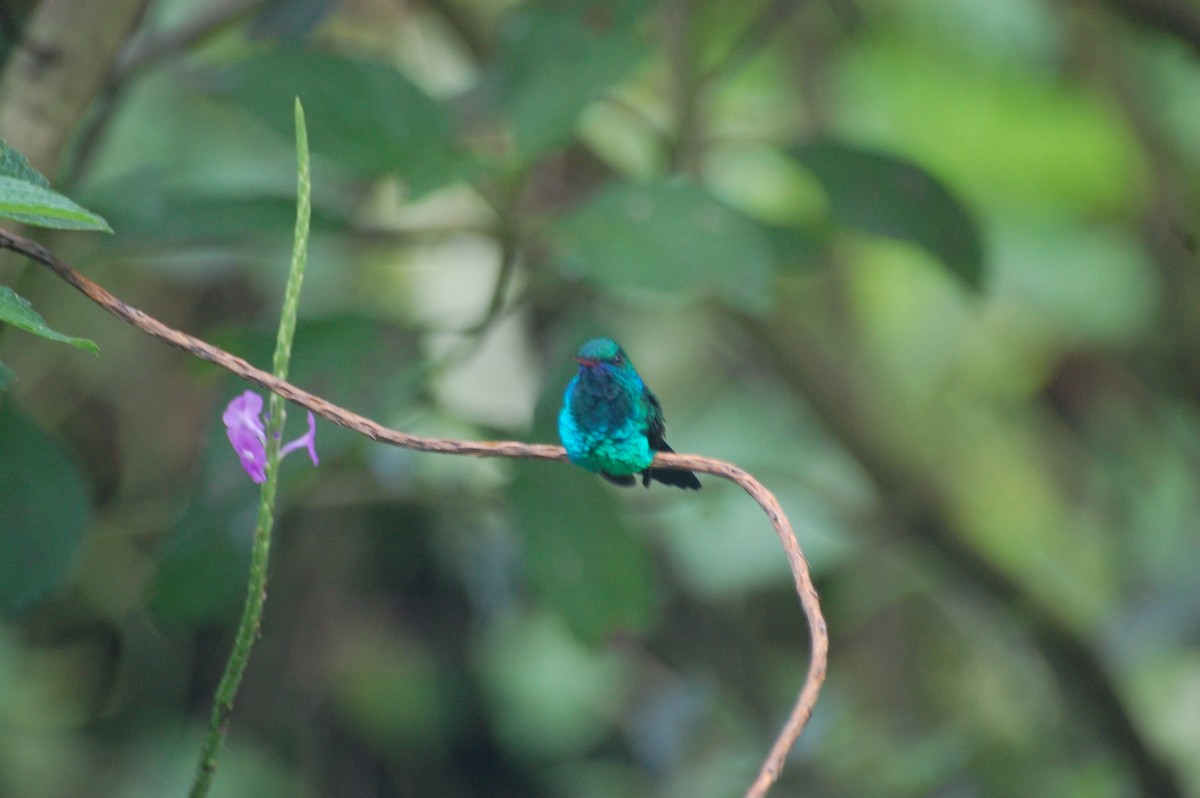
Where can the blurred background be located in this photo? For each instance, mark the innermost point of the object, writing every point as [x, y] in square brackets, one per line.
[927, 269]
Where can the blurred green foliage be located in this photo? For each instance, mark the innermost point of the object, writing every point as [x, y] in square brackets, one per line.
[928, 270]
[45, 508]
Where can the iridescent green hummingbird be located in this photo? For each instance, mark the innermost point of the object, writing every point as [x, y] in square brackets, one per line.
[611, 423]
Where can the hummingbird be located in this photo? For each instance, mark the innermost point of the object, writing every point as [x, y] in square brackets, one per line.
[611, 423]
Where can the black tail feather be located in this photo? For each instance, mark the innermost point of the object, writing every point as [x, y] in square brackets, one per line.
[669, 476]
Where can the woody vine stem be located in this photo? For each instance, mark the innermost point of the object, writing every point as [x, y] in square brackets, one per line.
[818, 635]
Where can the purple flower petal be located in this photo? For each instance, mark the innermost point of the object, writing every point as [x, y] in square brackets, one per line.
[243, 412]
[308, 441]
[246, 434]
[244, 426]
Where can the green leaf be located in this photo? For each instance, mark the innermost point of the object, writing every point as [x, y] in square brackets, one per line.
[668, 235]
[560, 57]
[143, 206]
[196, 215]
[201, 574]
[7, 377]
[17, 311]
[364, 115]
[44, 512]
[793, 249]
[584, 562]
[888, 196]
[37, 205]
[25, 195]
[13, 164]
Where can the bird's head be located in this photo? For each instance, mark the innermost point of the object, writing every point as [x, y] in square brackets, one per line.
[604, 351]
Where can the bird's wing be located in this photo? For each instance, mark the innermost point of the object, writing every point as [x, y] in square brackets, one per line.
[656, 428]
[655, 431]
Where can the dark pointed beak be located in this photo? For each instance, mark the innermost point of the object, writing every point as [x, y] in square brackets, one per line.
[586, 361]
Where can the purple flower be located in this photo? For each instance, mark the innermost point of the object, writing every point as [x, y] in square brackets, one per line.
[244, 426]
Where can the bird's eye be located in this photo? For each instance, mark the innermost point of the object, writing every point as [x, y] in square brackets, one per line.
[618, 360]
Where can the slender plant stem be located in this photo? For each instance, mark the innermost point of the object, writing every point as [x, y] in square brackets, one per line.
[256, 587]
[248, 629]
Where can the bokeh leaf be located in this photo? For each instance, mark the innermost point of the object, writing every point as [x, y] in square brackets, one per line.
[552, 697]
[201, 575]
[43, 512]
[363, 114]
[37, 205]
[668, 235]
[792, 248]
[16, 310]
[195, 215]
[560, 57]
[584, 562]
[888, 196]
[290, 20]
